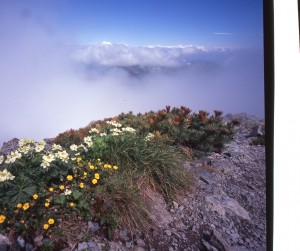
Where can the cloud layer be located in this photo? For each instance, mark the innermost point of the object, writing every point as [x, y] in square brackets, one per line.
[49, 85]
[109, 54]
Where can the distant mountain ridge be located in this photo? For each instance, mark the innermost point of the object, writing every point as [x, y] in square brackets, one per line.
[141, 70]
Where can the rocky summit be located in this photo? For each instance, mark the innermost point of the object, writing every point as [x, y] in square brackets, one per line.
[224, 211]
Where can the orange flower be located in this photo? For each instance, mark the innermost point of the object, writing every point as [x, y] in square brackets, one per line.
[51, 221]
[25, 206]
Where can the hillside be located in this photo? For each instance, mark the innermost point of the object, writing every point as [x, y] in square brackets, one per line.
[212, 198]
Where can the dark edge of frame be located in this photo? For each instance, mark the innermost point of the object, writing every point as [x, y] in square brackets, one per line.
[299, 21]
[268, 13]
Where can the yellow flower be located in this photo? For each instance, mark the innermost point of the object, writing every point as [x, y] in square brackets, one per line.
[71, 204]
[97, 176]
[69, 177]
[108, 166]
[35, 196]
[16, 211]
[48, 200]
[51, 189]
[51, 221]
[105, 166]
[25, 206]
[47, 204]
[92, 167]
[2, 218]
[85, 173]
[19, 205]
[81, 185]
[46, 226]
[115, 167]
[79, 159]
[61, 187]
[94, 181]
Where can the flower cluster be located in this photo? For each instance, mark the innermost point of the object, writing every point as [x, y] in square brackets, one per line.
[40, 146]
[114, 123]
[47, 159]
[14, 155]
[88, 141]
[128, 129]
[149, 136]
[94, 130]
[5, 175]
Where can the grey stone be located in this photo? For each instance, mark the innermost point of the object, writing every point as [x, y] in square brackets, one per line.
[206, 244]
[234, 237]
[175, 205]
[93, 226]
[82, 246]
[140, 242]
[168, 232]
[137, 248]
[92, 246]
[4, 243]
[123, 235]
[21, 241]
[38, 240]
[28, 246]
[128, 244]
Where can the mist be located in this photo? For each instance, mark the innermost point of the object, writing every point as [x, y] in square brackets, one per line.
[50, 84]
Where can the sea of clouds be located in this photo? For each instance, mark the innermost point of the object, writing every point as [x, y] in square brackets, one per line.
[50, 84]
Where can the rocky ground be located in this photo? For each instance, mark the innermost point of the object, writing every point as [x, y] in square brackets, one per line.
[225, 210]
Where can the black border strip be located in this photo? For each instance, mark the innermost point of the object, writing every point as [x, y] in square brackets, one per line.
[268, 10]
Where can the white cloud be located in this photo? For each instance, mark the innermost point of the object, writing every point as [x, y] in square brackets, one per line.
[109, 54]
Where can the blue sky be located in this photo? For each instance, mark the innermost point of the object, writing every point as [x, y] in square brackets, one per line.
[56, 68]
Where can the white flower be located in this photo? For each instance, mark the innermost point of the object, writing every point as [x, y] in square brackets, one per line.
[25, 149]
[9, 159]
[115, 134]
[103, 134]
[1, 159]
[116, 130]
[68, 192]
[38, 148]
[23, 142]
[42, 142]
[5, 175]
[73, 147]
[83, 147]
[16, 154]
[128, 129]
[94, 130]
[56, 147]
[48, 158]
[13, 157]
[149, 136]
[45, 164]
[114, 123]
[88, 141]
[63, 155]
